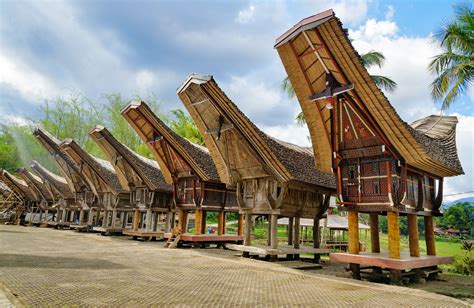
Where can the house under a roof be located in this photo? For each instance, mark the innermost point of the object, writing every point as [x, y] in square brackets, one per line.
[77, 198]
[382, 164]
[45, 204]
[150, 195]
[114, 200]
[272, 177]
[189, 168]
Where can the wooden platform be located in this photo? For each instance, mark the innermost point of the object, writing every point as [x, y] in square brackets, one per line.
[209, 238]
[281, 250]
[382, 260]
[107, 231]
[144, 234]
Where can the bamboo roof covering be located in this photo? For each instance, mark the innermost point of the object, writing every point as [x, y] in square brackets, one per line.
[175, 154]
[99, 172]
[318, 45]
[75, 180]
[237, 145]
[36, 184]
[57, 183]
[130, 167]
[19, 186]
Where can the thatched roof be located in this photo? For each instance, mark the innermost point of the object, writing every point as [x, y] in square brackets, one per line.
[69, 170]
[130, 167]
[227, 131]
[321, 39]
[58, 183]
[175, 155]
[99, 172]
[19, 186]
[35, 183]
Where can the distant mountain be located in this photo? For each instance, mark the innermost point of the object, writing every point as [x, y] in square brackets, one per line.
[465, 199]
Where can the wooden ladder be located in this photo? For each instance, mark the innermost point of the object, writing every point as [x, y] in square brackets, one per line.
[174, 239]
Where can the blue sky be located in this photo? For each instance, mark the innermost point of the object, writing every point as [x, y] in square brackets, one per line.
[53, 48]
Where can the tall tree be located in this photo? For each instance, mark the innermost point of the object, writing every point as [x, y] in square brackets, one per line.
[369, 59]
[454, 67]
[184, 126]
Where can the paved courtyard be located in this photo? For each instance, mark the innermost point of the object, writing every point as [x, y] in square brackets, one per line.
[45, 267]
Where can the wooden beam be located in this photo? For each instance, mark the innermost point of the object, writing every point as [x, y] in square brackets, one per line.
[374, 232]
[197, 222]
[393, 235]
[203, 222]
[221, 223]
[240, 225]
[182, 220]
[136, 218]
[290, 231]
[316, 238]
[296, 244]
[353, 221]
[248, 229]
[429, 236]
[274, 231]
[413, 235]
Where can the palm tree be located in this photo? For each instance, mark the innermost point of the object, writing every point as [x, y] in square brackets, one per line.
[369, 59]
[454, 68]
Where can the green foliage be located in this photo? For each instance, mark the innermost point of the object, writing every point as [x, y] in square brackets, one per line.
[465, 264]
[184, 126]
[458, 216]
[454, 67]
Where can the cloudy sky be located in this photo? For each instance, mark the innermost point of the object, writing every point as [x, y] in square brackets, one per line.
[54, 48]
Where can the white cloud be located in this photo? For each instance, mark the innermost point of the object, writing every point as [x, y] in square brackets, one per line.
[292, 133]
[14, 119]
[350, 11]
[144, 79]
[390, 12]
[246, 15]
[30, 84]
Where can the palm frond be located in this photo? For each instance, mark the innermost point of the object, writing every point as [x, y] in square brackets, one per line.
[372, 58]
[384, 83]
[287, 87]
[300, 120]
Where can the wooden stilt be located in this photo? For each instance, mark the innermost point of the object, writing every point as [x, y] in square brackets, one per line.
[429, 236]
[114, 218]
[353, 221]
[64, 215]
[374, 232]
[413, 235]
[105, 222]
[247, 229]
[393, 235]
[81, 217]
[203, 222]
[197, 222]
[182, 220]
[169, 219]
[136, 219]
[296, 244]
[148, 218]
[290, 231]
[274, 231]
[221, 223]
[316, 239]
[240, 225]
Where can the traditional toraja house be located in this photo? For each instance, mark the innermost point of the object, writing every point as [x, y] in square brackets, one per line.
[383, 165]
[70, 209]
[105, 184]
[29, 198]
[9, 202]
[189, 168]
[43, 194]
[150, 195]
[272, 177]
[56, 185]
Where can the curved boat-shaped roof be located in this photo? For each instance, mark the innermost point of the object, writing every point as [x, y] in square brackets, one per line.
[175, 155]
[99, 172]
[19, 186]
[238, 145]
[317, 46]
[130, 167]
[36, 183]
[69, 170]
[57, 183]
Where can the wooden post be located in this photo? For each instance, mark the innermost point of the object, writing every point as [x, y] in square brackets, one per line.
[203, 222]
[429, 236]
[81, 216]
[374, 232]
[393, 235]
[46, 213]
[274, 231]
[71, 216]
[148, 218]
[169, 221]
[136, 218]
[197, 222]
[123, 222]
[105, 222]
[63, 215]
[413, 235]
[316, 239]
[114, 218]
[296, 244]
[221, 222]
[353, 221]
[290, 231]
[269, 230]
[240, 225]
[247, 229]
[182, 220]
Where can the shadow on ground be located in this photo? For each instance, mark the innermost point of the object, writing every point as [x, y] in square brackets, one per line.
[34, 261]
